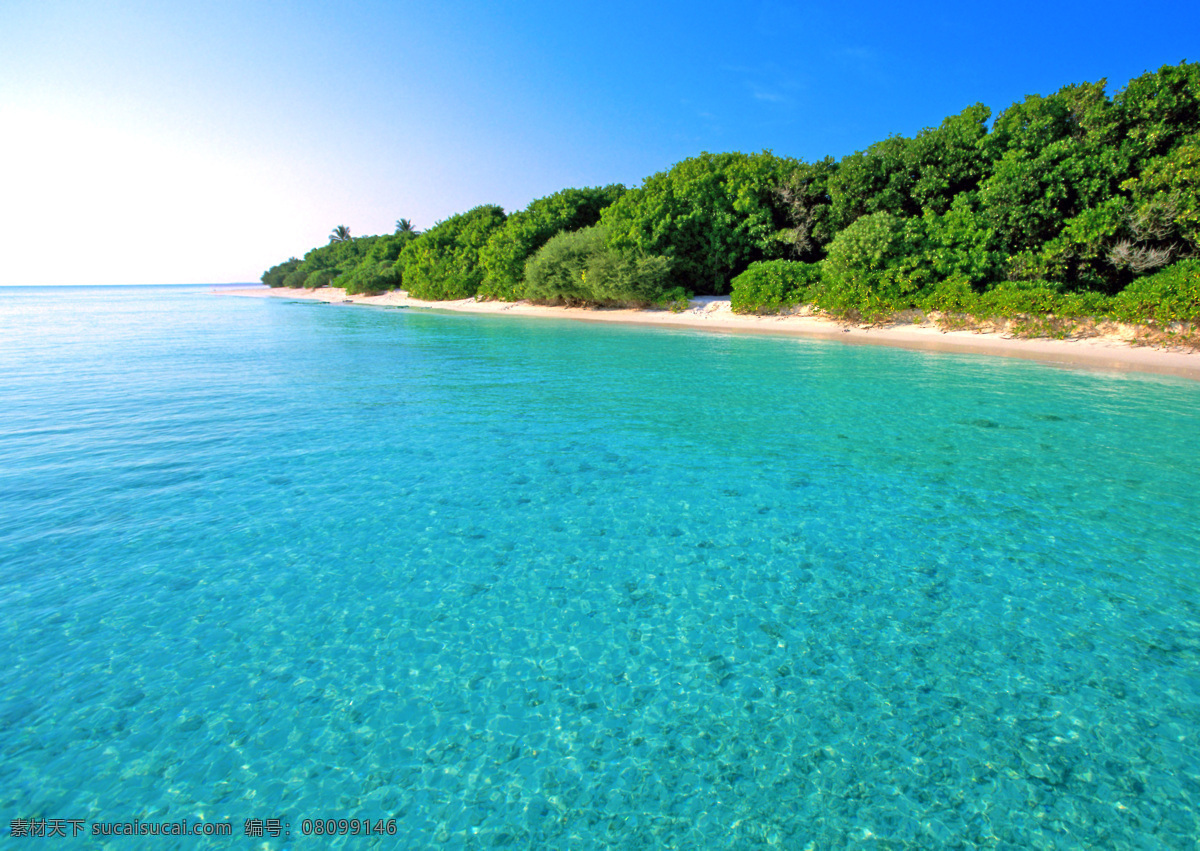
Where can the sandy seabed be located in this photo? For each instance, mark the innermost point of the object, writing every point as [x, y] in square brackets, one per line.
[1111, 351]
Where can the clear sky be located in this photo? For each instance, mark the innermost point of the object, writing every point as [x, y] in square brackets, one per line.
[188, 142]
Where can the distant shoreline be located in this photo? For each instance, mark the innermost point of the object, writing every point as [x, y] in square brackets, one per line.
[713, 314]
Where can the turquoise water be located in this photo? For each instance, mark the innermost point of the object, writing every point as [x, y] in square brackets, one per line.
[532, 583]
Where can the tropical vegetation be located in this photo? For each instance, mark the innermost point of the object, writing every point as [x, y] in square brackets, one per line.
[1075, 203]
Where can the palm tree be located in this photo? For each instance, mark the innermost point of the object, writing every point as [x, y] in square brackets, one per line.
[405, 226]
[341, 233]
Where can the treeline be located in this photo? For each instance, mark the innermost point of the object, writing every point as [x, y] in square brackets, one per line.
[1076, 203]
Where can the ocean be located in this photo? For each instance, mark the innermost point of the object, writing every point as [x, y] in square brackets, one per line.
[334, 576]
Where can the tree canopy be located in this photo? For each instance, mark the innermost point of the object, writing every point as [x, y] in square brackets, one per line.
[524, 232]
[712, 215]
[1069, 198]
[443, 262]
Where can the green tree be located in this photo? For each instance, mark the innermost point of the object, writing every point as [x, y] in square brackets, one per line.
[805, 197]
[524, 232]
[377, 271]
[580, 267]
[958, 246]
[876, 180]
[277, 274]
[1155, 111]
[1054, 159]
[295, 279]
[405, 226]
[341, 233]
[1079, 111]
[443, 262]
[949, 160]
[875, 266]
[325, 263]
[713, 215]
[1166, 198]
[906, 177]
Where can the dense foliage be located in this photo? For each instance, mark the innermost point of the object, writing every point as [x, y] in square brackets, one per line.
[1069, 203]
[773, 286]
[443, 263]
[379, 270]
[321, 266]
[277, 274]
[581, 267]
[524, 232]
[712, 215]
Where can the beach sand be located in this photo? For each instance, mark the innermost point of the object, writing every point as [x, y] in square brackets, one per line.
[1110, 351]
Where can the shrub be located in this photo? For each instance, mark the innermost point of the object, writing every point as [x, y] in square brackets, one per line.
[578, 267]
[714, 214]
[320, 278]
[957, 245]
[874, 267]
[378, 271]
[371, 278]
[953, 295]
[443, 263]
[1172, 295]
[323, 264]
[276, 275]
[509, 248]
[771, 286]
[295, 278]
[676, 299]
[616, 278]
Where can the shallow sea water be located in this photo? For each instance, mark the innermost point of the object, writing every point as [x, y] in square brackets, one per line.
[528, 583]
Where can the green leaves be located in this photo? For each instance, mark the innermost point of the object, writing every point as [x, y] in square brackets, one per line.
[908, 176]
[579, 267]
[276, 275]
[324, 264]
[874, 266]
[714, 214]
[1172, 295]
[1070, 201]
[503, 258]
[772, 286]
[443, 263]
[1156, 110]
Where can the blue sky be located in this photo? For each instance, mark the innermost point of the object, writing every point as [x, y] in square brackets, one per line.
[171, 142]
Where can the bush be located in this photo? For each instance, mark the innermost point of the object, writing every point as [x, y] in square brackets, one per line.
[557, 272]
[1016, 298]
[636, 280]
[295, 278]
[676, 299]
[371, 278]
[442, 264]
[714, 214]
[323, 264]
[1172, 295]
[579, 267]
[509, 248]
[953, 295]
[771, 286]
[320, 278]
[378, 271]
[874, 267]
[276, 275]
[958, 246]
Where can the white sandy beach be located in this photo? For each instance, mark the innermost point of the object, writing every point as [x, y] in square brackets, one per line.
[1109, 351]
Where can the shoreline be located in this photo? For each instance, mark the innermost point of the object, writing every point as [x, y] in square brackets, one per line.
[713, 314]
